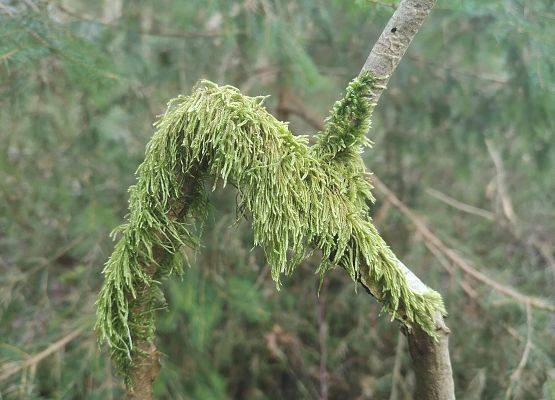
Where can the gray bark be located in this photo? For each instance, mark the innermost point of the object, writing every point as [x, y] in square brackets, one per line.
[432, 364]
[395, 39]
[430, 357]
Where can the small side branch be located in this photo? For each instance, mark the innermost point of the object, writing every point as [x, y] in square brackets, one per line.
[517, 374]
[13, 368]
[512, 222]
[459, 261]
[459, 205]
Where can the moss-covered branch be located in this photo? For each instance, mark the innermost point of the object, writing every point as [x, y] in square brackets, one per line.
[299, 199]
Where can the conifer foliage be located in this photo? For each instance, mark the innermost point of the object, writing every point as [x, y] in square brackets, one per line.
[299, 199]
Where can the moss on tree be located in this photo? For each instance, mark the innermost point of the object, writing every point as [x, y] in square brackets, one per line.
[300, 198]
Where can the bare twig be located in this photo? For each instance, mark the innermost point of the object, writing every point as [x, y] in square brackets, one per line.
[396, 375]
[14, 367]
[467, 208]
[543, 248]
[322, 339]
[474, 296]
[506, 203]
[7, 55]
[455, 257]
[465, 286]
[440, 70]
[516, 375]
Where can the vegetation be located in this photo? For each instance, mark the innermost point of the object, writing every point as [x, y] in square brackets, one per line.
[463, 137]
[298, 197]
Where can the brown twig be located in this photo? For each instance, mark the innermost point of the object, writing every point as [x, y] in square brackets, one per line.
[7, 55]
[473, 295]
[455, 257]
[396, 374]
[516, 375]
[14, 367]
[506, 203]
[443, 262]
[543, 248]
[322, 339]
[467, 208]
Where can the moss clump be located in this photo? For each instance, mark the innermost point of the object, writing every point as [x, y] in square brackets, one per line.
[300, 198]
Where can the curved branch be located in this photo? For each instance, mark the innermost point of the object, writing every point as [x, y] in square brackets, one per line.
[321, 203]
[458, 260]
[297, 198]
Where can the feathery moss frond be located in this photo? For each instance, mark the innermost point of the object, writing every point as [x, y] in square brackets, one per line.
[349, 121]
[299, 198]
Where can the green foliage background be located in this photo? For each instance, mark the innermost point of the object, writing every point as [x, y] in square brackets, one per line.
[81, 83]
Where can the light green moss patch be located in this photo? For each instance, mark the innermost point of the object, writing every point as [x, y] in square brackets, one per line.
[298, 197]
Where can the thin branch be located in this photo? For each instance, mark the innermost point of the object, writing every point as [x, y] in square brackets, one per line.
[467, 208]
[443, 262]
[473, 295]
[7, 55]
[395, 39]
[187, 35]
[451, 254]
[14, 367]
[506, 203]
[396, 375]
[437, 69]
[545, 249]
[517, 374]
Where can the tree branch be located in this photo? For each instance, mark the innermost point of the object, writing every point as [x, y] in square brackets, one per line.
[513, 222]
[395, 39]
[516, 375]
[10, 369]
[455, 257]
[459, 205]
[430, 357]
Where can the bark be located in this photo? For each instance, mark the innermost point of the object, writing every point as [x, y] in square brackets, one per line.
[430, 357]
[431, 362]
[144, 372]
[146, 361]
[395, 39]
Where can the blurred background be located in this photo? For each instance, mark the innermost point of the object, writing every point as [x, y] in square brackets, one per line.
[464, 138]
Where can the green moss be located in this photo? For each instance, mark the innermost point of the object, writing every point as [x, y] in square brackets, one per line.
[300, 198]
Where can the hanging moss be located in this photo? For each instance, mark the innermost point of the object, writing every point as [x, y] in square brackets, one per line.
[300, 198]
